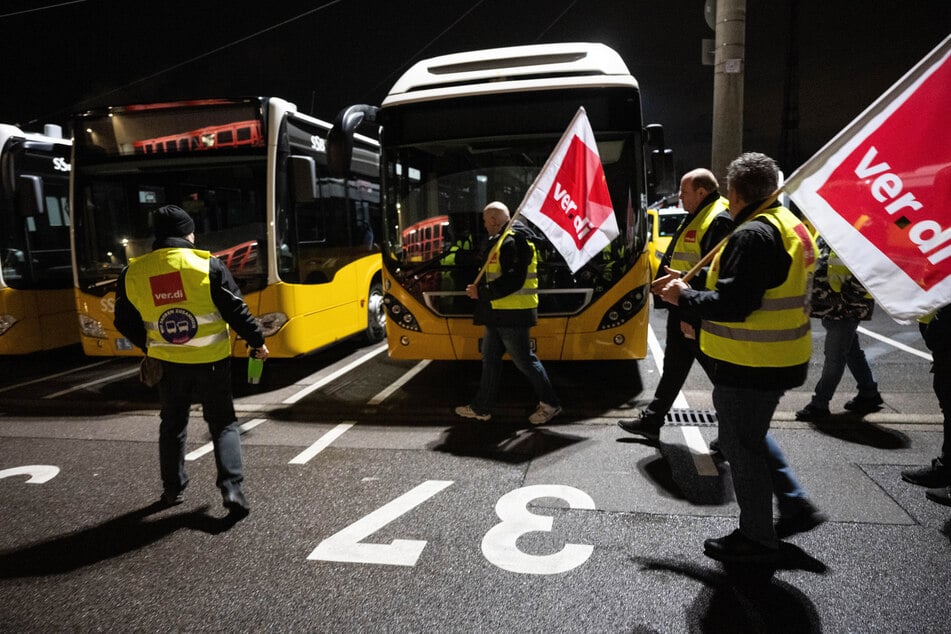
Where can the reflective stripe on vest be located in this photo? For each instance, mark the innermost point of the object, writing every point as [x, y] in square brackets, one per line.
[171, 289]
[527, 296]
[686, 252]
[777, 334]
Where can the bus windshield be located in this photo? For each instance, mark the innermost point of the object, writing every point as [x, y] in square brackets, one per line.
[206, 157]
[438, 181]
[34, 216]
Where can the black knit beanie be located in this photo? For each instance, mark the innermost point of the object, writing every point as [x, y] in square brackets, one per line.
[172, 222]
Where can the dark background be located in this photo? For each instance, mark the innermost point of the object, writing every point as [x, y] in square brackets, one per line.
[326, 54]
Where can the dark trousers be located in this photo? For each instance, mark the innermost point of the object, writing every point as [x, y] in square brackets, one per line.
[679, 354]
[942, 389]
[210, 385]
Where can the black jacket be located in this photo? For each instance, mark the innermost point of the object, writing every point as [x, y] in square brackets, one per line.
[224, 293]
[514, 259]
[752, 261]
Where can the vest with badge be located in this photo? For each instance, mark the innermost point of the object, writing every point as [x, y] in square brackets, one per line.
[527, 296]
[686, 250]
[777, 334]
[171, 289]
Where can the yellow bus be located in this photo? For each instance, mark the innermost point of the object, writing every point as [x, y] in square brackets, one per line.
[461, 130]
[37, 311]
[252, 172]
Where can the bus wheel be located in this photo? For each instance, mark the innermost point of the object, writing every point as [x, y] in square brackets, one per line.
[376, 315]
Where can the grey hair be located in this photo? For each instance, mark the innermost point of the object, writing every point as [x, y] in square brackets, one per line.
[753, 176]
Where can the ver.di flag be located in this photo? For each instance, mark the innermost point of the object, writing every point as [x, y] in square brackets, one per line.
[880, 191]
[569, 200]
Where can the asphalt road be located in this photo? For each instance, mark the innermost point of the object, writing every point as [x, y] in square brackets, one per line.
[375, 509]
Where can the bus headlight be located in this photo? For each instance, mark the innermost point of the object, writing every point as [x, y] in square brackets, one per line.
[399, 314]
[271, 322]
[90, 327]
[624, 308]
[5, 322]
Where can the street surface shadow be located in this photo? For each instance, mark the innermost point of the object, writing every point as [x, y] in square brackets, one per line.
[852, 428]
[675, 476]
[742, 599]
[512, 444]
[104, 541]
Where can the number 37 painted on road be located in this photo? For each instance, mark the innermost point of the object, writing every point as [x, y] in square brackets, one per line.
[499, 544]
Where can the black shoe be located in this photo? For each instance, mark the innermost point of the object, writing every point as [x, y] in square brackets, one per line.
[812, 414]
[715, 447]
[941, 495]
[803, 520]
[172, 499]
[864, 404]
[738, 548]
[236, 503]
[647, 426]
[935, 476]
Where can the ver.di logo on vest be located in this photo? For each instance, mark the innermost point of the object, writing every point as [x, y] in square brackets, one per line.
[177, 325]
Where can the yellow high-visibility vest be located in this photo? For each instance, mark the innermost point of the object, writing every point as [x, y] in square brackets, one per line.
[686, 251]
[171, 289]
[777, 334]
[527, 296]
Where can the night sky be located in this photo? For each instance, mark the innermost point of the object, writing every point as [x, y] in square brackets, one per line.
[326, 54]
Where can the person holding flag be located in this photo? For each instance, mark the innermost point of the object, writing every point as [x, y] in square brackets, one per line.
[755, 334]
[507, 297]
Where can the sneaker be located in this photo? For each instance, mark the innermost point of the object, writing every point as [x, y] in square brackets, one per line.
[645, 425]
[941, 495]
[935, 476]
[170, 498]
[803, 520]
[865, 404]
[812, 413]
[466, 411]
[738, 548]
[543, 413]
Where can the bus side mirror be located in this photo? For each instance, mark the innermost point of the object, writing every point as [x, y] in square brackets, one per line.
[304, 179]
[30, 199]
[340, 138]
[660, 179]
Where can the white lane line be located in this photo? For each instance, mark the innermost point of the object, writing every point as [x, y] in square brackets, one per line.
[53, 376]
[107, 379]
[400, 382]
[698, 447]
[896, 344]
[321, 444]
[201, 451]
[700, 452]
[333, 375]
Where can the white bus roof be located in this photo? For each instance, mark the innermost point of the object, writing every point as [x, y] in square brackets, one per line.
[512, 69]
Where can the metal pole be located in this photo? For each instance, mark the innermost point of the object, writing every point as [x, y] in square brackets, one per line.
[728, 72]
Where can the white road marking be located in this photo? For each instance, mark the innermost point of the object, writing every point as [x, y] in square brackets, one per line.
[106, 379]
[400, 382]
[335, 373]
[53, 376]
[201, 451]
[321, 444]
[692, 437]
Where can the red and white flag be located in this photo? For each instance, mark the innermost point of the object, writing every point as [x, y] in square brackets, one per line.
[569, 200]
[880, 191]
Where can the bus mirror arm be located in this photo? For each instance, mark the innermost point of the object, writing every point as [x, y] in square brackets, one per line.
[340, 137]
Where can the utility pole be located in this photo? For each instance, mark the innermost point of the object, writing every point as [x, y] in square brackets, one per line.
[728, 73]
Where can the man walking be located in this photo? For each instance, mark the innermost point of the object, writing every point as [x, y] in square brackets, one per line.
[706, 224]
[176, 304]
[755, 332]
[507, 298]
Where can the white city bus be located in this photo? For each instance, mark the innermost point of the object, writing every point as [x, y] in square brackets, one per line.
[37, 311]
[462, 130]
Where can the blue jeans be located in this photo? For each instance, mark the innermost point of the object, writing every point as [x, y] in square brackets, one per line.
[757, 464]
[842, 350]
[211, 383]
[515, 340]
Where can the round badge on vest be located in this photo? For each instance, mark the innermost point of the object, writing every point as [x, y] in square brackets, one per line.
[177, 325]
